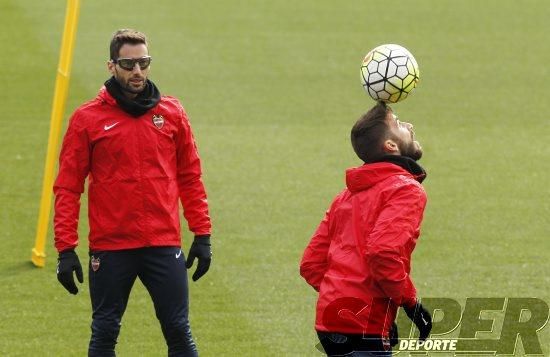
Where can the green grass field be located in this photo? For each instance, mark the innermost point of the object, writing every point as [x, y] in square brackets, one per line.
[272, 89]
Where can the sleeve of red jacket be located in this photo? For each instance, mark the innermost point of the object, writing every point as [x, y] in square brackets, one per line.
[394, 229]
[314, 262]
[191, 187]
[74, 164]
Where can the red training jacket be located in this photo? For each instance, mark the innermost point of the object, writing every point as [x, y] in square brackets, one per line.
[138, 168]
[359, 258]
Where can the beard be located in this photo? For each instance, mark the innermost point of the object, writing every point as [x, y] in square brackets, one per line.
[127, 86]
[410, 149]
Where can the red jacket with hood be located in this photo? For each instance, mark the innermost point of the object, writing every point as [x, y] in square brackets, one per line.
[137, 168]
[359, 259]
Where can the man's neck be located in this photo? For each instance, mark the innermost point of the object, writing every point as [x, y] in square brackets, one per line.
[129, 95]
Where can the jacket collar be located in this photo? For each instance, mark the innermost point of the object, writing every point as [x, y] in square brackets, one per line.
[406, 163]
[105, 96]
[363, 177]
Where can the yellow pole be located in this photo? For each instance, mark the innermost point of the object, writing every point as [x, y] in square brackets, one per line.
[58, 107]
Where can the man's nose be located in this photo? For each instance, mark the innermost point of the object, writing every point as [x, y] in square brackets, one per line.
[409, 126]
[136, 69]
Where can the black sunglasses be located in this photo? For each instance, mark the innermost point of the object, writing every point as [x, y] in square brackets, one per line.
[129, 63]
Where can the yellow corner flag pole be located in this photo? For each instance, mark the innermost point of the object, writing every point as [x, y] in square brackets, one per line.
[58, 107]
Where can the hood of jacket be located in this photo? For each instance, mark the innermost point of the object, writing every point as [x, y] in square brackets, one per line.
[365, 176]
[105, 96]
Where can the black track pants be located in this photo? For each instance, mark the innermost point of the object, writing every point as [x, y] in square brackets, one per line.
[162, 271]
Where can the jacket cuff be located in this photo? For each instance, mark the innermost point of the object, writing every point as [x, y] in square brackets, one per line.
[62, 246]
[408, 302]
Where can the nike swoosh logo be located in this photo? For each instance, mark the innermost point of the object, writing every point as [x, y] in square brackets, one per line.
[107, 127]
[178, 254]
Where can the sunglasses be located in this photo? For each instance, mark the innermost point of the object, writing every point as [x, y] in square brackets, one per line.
[130, 63]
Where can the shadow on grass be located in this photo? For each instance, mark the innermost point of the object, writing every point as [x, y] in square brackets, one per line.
[18, 268]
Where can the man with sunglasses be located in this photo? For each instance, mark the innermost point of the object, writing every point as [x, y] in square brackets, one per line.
[137, 149]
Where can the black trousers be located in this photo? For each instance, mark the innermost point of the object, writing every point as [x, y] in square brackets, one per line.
[162, 271]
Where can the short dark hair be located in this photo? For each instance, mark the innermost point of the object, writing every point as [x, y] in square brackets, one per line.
[124, 36]
[370, 131]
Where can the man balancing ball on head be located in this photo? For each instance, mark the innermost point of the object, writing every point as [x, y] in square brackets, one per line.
[359, 258]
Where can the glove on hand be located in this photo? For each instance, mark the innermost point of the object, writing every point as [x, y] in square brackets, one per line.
[394, 336]
[421, 318]
[200, 249]
[67, 263]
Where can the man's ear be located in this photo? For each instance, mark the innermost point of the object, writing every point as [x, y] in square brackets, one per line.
[390, 147]
[111, 67]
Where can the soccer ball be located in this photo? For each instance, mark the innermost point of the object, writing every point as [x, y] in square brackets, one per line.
[389, 73]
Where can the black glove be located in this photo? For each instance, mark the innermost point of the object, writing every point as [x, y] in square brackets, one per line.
[66, 264]
[421, 318]
[200, 249]
[394, 336]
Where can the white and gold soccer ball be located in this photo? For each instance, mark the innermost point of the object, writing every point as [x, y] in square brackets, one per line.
[389, 73]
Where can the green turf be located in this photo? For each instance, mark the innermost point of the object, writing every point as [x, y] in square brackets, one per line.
[272, 88]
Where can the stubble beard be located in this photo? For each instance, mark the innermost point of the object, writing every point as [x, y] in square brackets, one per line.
[127, 87]
[412, 150]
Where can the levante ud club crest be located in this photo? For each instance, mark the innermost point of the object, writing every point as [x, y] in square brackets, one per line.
[95, 263]
[158, 120]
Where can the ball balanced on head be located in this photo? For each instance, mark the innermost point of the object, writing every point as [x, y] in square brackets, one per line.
[389, 73]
